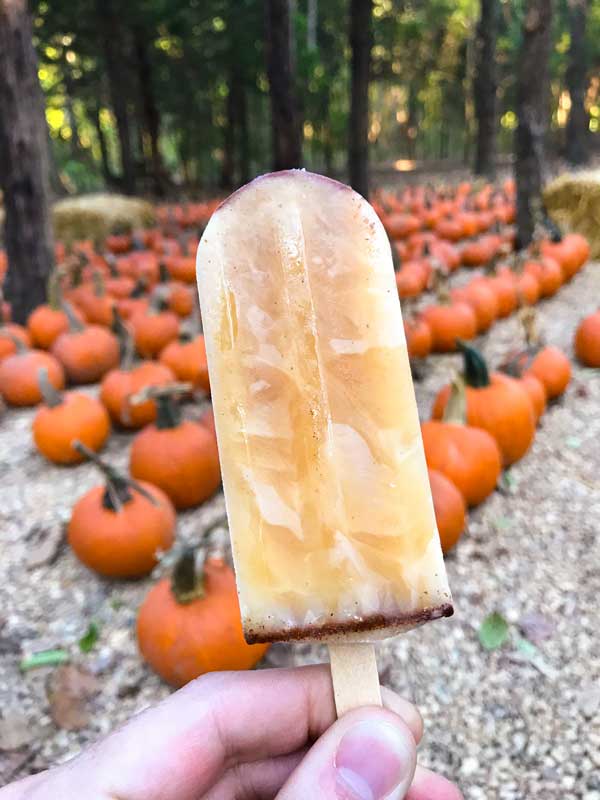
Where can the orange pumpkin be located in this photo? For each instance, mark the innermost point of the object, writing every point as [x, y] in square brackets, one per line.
[482, 300]
[548, 273]
[19, 376]
[120, 384]
[8, 333]
[537, 393]
[64, 418]
[449, 322]
[48, 321]
[187, 361]
[154, 328]
[587, 340]
[418, 338]
[177, 455]
[449, 506]
[497, 403]
[553, 369]
[190, 626]
[118, 528]
[87, 352]
[468, 456]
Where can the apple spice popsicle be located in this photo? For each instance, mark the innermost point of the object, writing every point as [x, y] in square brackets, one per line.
[329, 506]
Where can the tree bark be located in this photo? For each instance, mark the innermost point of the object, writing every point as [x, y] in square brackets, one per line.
[287, 145]
[150, 112]
[577, 147]
[532, 111]
[23, 164]
[106, 173]
[485, 87]
[112, 42]
[361, 42]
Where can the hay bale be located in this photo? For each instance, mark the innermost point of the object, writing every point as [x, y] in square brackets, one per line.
[573, 202]
[96, 216]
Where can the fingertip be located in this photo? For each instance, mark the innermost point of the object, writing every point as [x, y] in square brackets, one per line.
[427, 785]
[404, 709]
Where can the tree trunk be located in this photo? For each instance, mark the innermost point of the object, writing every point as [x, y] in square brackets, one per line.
[361, 41]
[106, 173]
[577, 149]
[112, 42]
[532, 112]
[287, 145]
[484, 88]
[312, 16]
[243, 134]
[229, 136]
[150, 112]
[23, 164]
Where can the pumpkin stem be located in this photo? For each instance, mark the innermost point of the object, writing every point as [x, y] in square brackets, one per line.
[75, 326]
[187, 580]
[163, 273]
[126, 343]
[111, 262]
[476, 373]
[529, 321]
[54, 290]
[118, 486]
[168, 411]
[139, 289]
[158, 300]
[19, 344]
[456, 407]
[98, 283]
[52, 397]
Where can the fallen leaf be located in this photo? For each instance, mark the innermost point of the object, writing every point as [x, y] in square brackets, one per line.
[493, 631]
[69, 691]
[537, 627]
[89, 638]
[16, 730]
[46, 541]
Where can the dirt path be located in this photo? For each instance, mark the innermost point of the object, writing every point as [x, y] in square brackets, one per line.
[500, 724]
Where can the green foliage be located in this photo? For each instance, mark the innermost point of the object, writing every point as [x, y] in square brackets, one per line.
[206, 65]
[494, 631]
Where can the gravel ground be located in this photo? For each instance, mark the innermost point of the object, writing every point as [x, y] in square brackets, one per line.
[513, 723]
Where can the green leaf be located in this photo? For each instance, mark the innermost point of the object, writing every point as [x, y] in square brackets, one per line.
[46, 658]
[493, 631]
[90, 637]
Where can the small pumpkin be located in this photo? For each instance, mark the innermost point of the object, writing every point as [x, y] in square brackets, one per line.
[449, 322]
[154, 328]
[587, 340]
[87, 352]
[8, 333]
[191, 625]
[468, 456]
[48, 321]
[120, 384]
[450, 511]
[482, 300]
[537, 393]
[177, 455]
[418, 338]
[64, 418]
[553, 369]
[186, 358]
[497, 403]
[19, 375]
[117, 529]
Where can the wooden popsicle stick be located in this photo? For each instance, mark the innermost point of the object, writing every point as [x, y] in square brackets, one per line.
[355, 677]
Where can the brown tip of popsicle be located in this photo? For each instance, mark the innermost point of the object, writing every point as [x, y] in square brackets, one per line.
[334, 630]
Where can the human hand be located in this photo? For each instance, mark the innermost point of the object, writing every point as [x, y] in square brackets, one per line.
[251, 736]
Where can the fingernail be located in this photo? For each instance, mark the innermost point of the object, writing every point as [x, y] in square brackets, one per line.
[372, 760]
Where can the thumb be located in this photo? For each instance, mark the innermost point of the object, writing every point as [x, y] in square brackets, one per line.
[368, 754]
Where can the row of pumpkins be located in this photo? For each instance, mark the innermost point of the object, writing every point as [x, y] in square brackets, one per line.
[145, 284]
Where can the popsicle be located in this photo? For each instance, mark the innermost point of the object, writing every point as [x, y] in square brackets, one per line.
[330, 513]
